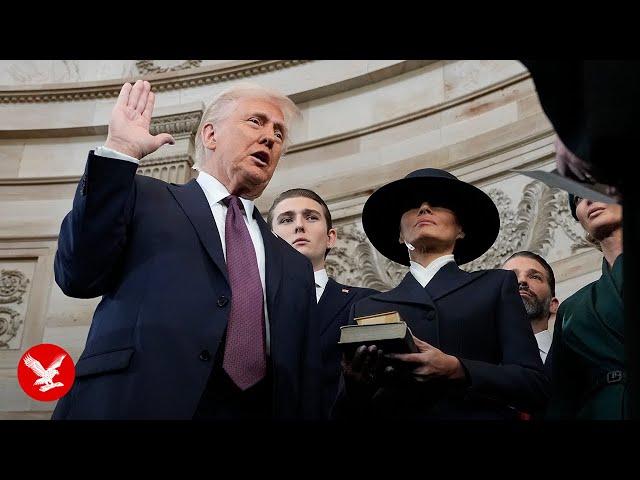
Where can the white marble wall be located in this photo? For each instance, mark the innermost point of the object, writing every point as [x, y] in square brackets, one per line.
[42, 72]
[365, 123]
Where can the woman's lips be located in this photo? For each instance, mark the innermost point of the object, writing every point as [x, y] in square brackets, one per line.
[425, 222]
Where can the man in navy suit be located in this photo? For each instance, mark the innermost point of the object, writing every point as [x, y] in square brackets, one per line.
[205, 313]
[302, 218]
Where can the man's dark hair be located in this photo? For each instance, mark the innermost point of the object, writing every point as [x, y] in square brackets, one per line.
[296, 193]
[551, 279]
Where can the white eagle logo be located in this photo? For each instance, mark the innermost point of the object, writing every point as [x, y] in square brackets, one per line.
[46, 376]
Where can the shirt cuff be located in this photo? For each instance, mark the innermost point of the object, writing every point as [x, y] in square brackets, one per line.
[109, 153]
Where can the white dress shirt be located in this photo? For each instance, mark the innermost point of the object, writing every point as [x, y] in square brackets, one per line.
[424, 274]
[107, 152]
[215, 193]
[544, 343]
[322, 279]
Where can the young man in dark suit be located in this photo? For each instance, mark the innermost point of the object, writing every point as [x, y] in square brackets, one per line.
[205, 313]
[302, 218]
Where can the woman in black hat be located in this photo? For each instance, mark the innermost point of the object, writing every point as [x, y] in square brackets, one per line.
[477, 356]
[588, 369]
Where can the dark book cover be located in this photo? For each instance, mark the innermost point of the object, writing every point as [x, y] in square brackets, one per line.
[391, 334]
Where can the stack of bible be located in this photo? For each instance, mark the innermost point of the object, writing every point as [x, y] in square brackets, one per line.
[386, 331]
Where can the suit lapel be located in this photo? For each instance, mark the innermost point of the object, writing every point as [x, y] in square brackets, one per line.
[448, 279]
[273, 264]
[331, 302]
[425, 324]
[606, 299]
[408, 291]
[194, 203]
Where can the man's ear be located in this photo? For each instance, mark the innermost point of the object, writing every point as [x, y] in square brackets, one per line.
[208, 136]
[553, 308]
[332, 237]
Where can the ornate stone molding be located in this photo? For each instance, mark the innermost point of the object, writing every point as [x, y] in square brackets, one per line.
[173, 169]
[183, 123]
[26, 181]
[154, 162]
[146, 67]
[13, 285]
[9, 325]
[170, 80]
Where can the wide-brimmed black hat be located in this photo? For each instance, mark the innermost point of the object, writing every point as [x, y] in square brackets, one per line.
[475, 211]
[573, 205]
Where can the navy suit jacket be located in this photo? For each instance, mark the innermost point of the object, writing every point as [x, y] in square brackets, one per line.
[152, 250]
[333, 312]
[478, 317]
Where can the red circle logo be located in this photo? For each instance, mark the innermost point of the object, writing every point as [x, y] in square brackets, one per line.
[46, 372]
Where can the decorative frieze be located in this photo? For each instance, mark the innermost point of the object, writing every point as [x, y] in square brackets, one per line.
[176, 125]
[13, 299]
[170, 80]
[9, 325]
[146, 67]
[13, 285]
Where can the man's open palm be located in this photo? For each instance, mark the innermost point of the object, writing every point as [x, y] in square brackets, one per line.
[130, 121]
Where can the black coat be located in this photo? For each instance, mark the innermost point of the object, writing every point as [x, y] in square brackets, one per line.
[478, 317]
[332, 313]
[593, 107]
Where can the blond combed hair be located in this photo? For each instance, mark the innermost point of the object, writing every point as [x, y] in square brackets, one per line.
[222, 105]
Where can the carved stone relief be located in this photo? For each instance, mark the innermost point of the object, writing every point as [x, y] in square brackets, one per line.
[176, 125]
[532, 225]
[151, 66]
[356, 262]
[9, 325]
[13, 296]
[13, 285]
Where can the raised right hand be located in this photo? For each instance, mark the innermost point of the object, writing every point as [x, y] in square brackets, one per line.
[130, 120]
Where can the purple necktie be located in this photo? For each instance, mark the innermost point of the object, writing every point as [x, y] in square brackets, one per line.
[244, 355]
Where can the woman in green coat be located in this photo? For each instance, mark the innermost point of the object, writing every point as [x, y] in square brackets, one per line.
[588, 375]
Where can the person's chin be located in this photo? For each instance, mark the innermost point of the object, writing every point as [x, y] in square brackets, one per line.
[255, 182]
[303, 248]
[609, 219]
[529, 303]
